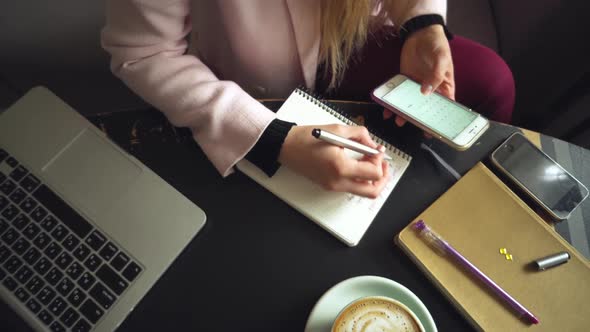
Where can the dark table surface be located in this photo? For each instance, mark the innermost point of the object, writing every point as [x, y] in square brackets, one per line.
[260, 265]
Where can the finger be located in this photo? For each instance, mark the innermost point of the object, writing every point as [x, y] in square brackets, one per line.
[426, 89]
[361, 135]
[369, 169]
[386, 176]
[361, 188]
[387, 114]
[450, 81]
[399, 121]
[436, 77]
[370, 189]
[446, 90]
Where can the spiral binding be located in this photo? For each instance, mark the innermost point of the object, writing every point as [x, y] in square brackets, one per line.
[346, 118]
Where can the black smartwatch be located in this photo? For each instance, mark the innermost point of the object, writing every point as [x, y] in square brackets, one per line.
[416, 23]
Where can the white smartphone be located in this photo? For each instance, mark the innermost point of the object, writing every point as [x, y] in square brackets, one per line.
[550, 185]
[445, 119]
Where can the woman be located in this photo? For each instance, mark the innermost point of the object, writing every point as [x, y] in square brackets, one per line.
[203, 62]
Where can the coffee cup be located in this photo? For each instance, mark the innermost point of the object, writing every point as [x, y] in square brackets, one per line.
[376, 313]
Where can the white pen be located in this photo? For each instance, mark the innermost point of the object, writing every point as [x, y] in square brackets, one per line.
[346, 143]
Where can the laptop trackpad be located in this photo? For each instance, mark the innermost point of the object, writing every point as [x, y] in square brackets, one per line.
[91, 173]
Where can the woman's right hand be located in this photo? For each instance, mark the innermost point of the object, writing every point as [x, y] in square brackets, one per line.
[329, 165]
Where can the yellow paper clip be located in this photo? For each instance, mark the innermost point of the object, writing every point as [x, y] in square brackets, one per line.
[504, 252]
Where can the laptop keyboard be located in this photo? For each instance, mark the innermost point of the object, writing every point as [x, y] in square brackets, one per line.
[63, 269]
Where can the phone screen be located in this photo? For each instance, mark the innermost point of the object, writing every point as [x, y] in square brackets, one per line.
[548, 181]
[434, 111]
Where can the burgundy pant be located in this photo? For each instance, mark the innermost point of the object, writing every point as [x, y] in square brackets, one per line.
[483, 81]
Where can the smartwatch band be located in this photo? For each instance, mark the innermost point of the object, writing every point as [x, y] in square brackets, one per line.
[416, 23]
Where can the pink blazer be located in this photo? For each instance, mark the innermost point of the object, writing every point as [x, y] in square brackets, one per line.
[237, 51]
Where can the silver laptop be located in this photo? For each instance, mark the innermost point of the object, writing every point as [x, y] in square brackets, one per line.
[85, 228]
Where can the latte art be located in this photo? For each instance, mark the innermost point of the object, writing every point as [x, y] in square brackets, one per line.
[376, 314]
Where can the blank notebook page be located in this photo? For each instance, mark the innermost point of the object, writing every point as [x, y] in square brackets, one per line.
[344, 215]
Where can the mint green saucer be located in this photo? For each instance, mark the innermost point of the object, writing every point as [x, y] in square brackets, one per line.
[336, 298]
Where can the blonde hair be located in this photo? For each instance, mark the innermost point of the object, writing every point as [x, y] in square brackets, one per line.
[345, 25]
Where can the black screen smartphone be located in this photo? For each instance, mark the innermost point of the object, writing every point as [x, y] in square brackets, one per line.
[549, 184]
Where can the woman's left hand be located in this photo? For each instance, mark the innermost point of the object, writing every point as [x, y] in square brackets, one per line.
[426, 58]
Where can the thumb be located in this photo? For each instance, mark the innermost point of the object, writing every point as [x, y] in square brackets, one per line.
[434, 79]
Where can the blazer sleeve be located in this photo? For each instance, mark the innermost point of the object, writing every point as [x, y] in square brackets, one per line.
[146, 40]
[400, 11]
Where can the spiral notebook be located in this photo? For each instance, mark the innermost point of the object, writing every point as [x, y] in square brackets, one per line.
[346, 216]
